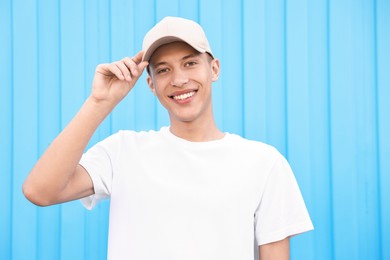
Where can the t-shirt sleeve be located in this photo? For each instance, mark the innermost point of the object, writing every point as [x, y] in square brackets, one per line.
[98, 162]
[281, 212]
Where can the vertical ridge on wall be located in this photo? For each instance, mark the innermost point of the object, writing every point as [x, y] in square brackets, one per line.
[297, 107]
[275, 96]
[343, 132]
[242, 60]
[367, 162]
[25, 125]
[383, 105]
[353, 147]
[6, 129]
[285, 83]
[329, 130]
[377, 149]
[254, 70]
[232, 67]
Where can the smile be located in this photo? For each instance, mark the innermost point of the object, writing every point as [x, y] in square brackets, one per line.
[183, 96]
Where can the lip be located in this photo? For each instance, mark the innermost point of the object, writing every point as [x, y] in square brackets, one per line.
[182, 92]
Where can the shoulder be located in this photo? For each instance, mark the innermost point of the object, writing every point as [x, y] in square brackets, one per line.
[257, 148]
[255, 154]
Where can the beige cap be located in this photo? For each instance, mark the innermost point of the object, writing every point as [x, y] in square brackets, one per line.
[172, 29]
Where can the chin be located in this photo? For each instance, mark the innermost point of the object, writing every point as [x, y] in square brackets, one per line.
[183, 118]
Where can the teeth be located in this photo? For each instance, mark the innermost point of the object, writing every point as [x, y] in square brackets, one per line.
[184, 96]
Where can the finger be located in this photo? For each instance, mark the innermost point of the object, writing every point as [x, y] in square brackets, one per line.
[132, 66]
[140, 69]
[112, 68]
[138, 57]
[124, 70]
[143, 65]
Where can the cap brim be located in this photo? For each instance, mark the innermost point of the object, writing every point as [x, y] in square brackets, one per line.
[162, 41]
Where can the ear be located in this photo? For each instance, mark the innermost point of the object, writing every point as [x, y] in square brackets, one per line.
[151, 85]
[215, 67]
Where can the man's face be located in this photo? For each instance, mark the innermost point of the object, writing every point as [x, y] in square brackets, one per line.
[181, 78]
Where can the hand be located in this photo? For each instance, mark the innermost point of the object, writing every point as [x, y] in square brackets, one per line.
[113, 81]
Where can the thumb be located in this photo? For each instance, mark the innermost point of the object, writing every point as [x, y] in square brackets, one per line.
[143, 65]
[138, 57]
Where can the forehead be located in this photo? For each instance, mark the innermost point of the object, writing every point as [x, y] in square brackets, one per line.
[171, 51]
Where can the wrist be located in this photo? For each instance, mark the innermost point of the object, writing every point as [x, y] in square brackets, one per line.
[99, 104]
[98, 109]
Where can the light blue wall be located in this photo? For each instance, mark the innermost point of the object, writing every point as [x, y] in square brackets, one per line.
[311, 77]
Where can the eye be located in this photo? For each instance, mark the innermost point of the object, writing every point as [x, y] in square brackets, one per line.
[162, 70]
[190, 63]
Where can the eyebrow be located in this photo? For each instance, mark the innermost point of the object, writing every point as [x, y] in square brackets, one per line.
[192, 55]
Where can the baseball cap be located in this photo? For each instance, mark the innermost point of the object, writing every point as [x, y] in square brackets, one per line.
[172, 29]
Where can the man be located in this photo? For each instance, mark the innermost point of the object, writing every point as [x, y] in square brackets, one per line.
[187, 191]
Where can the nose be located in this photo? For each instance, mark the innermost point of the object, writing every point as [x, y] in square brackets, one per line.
[179, 78]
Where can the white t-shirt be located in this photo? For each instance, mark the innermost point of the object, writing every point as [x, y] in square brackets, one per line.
[172, 199]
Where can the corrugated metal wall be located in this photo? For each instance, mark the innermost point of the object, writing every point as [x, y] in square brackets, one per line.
[310, 77]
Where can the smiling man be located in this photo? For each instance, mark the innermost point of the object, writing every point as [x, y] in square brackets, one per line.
[187, 191]
[181, 78]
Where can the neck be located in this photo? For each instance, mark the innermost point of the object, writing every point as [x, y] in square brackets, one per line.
[208, 131]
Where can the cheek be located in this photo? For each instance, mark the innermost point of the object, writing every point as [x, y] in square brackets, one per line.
[160, 94]
[157, 89]
[157, 92]
[209, 75]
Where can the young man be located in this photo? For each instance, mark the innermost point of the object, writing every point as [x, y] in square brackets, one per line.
[187, 191]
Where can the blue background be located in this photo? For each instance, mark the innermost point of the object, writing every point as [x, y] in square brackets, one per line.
[310, 77]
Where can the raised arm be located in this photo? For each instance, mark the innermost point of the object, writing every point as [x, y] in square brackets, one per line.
[57, 176]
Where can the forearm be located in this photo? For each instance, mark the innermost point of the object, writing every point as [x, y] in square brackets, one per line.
[56, 167]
